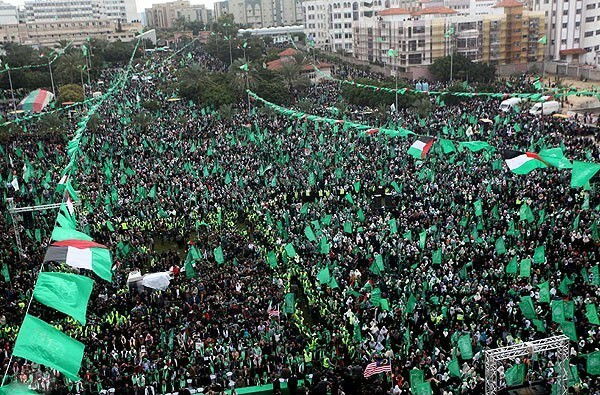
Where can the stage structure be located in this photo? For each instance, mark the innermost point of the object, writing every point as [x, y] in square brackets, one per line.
[558, 343]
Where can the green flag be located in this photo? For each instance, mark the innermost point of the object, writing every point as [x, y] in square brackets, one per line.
[447, 146]
[512, 266]
[478, 208]
[289, 250]
[324, 246]
[568, 329]
[544, 292]
[539, 255]
[324, 276]
[527, 308]
[289, 304]
[244, 67]
[422, 239]
[437, 257]
[67, 293]
[525, 268]
[500, 247]
[592, 365]
[454, 368]
[515, 375]
[16, 388]
[543, 40]
[41, 343]
[5, 272]
[525, 213]
[416, 378]
[310, 235]
[582, 172]
[592, 314]
[464, 345]
[393, 226]
[60, 234]
[218, 253]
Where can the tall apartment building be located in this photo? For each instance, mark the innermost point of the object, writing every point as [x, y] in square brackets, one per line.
[573, 30]
[8, 14]
[266, 13]
[165, 15]
[38, 11]
[220, 8]
[419, 37]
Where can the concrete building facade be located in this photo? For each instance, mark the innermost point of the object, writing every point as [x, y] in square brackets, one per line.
[419, 37]
[8, 14]
[266, 13]
[165, 15]
[39, 11]
[573, 30]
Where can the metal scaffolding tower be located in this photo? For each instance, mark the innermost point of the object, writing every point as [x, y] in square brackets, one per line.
[558, 343]
[15, 214]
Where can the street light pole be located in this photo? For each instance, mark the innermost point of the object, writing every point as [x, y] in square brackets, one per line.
[12, 92]
[52, 79]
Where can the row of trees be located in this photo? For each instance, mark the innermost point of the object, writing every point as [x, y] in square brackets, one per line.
[69, 68]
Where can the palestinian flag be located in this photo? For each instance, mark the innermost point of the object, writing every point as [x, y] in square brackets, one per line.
[523, 162]
[82, 254]
[421, 147]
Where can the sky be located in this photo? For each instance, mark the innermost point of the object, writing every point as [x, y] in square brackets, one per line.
[141, 4]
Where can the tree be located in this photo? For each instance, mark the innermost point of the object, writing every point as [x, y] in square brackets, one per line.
[70, 93]
[68, 68]
[462, 69]
[374, 98]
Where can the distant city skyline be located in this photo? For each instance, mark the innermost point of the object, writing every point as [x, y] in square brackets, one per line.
[141, 4]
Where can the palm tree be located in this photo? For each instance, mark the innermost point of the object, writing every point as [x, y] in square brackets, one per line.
[290, 71]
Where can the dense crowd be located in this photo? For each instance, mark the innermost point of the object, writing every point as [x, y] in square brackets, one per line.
[386, 255]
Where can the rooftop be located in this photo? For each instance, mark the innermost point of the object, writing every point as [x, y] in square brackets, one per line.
[394, 11]
[435, 10]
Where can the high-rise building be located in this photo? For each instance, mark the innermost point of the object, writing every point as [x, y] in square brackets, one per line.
[8, 14]
[573, 30]
[38, 11]
[165, 15]
[220, 8]
[417, 38]
[266, 13]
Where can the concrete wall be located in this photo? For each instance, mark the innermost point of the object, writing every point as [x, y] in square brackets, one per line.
[561, 69]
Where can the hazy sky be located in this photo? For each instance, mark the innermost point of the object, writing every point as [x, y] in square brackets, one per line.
[141, 4]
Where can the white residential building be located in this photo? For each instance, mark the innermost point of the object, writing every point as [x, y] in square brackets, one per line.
[573, 30]
[266, 13]
[8, 14]
[38, 11]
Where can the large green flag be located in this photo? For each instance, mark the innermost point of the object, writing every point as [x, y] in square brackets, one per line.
[475, 146]
[512, 266]
[515, 375]
[525, 268]
[15, 388]
[592, 314]
[324, 276]
[60, 234]
[67, 293]
[447, 146]
[544, 292]
[558, 311]
[437, 257]
[525, 213]
[568, 329]
[218, 252]
[582, 173]
[416, 378]
[464, 345]
[527, 308]
[454, 368]
[41, 343]
[592, 365]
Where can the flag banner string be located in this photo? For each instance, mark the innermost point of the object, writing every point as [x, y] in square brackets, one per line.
[58, 350]
[57, 54]
[517, 161]
[558, 92]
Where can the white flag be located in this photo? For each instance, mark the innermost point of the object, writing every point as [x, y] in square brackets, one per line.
[15, 184]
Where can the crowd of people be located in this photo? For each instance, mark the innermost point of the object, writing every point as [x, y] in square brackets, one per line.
[387, 256]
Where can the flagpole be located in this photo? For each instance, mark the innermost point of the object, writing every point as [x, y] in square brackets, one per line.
[52, 79]
[12, 92]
